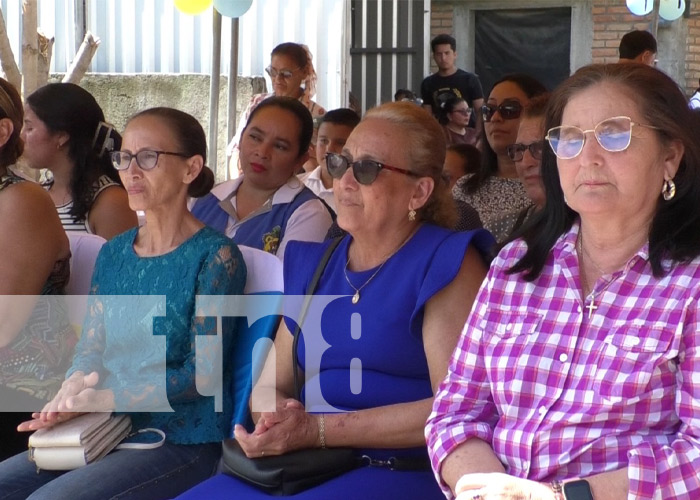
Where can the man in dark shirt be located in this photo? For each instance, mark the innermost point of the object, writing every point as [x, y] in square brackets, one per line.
[450, 81]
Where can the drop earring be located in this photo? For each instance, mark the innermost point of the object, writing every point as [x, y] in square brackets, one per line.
[412, 215]
[669, 189]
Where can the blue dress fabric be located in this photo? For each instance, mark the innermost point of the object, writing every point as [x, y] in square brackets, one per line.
[389, 346]
[112, 342]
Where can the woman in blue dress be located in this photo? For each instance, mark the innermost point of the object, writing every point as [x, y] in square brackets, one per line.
[406, 285]
[138, 350]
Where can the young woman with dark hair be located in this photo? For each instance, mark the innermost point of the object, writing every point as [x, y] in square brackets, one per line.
[268, 205]
[65, 132]
[495, 190]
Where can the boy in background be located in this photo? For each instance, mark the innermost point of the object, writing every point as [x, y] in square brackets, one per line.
[334, 129]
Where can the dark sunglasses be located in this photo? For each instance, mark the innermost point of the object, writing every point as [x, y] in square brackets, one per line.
[509, 110]
[364, 171]
[517, 151]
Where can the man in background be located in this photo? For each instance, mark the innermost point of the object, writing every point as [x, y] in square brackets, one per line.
[638, 46]
[450, 81]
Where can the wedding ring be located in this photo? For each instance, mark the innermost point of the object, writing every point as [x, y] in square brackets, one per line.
[476, 497]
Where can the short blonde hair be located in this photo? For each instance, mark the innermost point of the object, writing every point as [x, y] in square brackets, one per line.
[426, 146]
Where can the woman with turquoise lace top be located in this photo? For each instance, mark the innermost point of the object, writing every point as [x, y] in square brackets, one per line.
[142, 349]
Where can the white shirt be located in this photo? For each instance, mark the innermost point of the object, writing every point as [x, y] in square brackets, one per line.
[309, 222]
[314, 182]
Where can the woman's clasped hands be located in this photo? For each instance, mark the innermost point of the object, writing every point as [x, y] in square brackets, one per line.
[289, 428]
[77, 395]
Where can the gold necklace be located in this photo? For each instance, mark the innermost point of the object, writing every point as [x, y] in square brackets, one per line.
[356, 297]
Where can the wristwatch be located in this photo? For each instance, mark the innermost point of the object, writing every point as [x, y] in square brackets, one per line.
[577, 490]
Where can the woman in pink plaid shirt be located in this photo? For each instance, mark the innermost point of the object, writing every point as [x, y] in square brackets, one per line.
[577, 375]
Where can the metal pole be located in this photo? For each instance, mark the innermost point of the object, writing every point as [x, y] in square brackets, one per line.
[655, 18]
[80, 25]
[214, 95]
[233, 80]
[232, 86]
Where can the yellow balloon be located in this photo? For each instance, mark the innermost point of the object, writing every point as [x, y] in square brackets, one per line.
[192, 7]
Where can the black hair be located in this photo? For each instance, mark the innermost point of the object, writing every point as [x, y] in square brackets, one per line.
[341, 116]
[447, 107]
[306, 123]
[489, 163]
[674, 232]
[471, 156]
[191, 141]
[635, 43]
[443, 39]
[11, 107]
[402, 94]
[66, 107]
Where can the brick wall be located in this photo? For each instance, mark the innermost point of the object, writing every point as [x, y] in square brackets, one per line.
[611, 20]
[692, 60]
[441, 17]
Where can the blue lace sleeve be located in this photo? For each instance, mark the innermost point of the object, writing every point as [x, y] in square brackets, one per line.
[225, 274]
[196, 369]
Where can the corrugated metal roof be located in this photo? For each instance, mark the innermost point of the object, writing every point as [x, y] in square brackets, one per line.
[152, 36]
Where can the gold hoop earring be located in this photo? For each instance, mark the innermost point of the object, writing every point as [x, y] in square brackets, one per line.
[411, 215]
[669, 189]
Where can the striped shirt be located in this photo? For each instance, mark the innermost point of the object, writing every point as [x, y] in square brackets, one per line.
[71, 224]
[559, 394]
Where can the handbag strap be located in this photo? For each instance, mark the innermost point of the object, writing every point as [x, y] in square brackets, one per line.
[143, 446]
[305, 307]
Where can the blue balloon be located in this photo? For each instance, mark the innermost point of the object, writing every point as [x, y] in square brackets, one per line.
[232, 8]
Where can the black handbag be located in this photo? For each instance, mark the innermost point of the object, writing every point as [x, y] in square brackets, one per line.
[298, 470]
[290, 473]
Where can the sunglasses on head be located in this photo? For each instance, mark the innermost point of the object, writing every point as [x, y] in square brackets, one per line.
[517, 151]
[508, 109]
[613, 134]
[364, 171]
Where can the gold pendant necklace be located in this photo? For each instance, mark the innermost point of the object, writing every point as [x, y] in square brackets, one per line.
[356, 296]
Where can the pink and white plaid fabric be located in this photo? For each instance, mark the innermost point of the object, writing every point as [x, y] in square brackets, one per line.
[559, 394]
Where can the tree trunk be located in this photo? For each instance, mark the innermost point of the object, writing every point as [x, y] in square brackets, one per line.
[44, 63]
[82, 60]
[30, 47]
[7, 58]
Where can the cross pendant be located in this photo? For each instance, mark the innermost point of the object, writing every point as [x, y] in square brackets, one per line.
[591, 307]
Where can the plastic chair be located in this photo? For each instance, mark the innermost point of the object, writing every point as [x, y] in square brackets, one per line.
[264, 277]
[84, 248]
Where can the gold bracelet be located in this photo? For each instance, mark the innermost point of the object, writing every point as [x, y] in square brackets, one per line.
[322, 430]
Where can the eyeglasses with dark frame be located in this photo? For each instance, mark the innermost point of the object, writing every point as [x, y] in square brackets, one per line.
[286, 74]
[364, 171]
[146, 159]
[509, 109]
[516, 151]
[613, 134]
